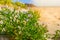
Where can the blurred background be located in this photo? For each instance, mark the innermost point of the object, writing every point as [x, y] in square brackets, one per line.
[42, 2]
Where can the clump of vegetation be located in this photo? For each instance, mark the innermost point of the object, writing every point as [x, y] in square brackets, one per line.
[21, 25]
[11, 3]
[57, 35]
[20, 4]
[4, 2]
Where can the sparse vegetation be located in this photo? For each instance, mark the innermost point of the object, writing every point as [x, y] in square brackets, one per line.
[56, 35]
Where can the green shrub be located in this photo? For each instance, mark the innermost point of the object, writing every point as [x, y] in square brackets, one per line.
[20, 4]
[56, 35]
[13, 4]
[21, 25]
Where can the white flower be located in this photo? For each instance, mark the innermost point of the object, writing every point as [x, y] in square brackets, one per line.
[30, 15]
[10, 17]
[24, 10]
[14, 19]
[3, 29]
[24, 22]
[18, 21]
[19, 27]
[10, 8]
[16, 16]
[6, 12]
[27, 19]
[1, 22]
[20, 32]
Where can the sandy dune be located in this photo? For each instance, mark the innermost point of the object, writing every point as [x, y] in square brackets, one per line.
[50, 16]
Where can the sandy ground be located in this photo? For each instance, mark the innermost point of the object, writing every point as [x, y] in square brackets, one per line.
[50, 16]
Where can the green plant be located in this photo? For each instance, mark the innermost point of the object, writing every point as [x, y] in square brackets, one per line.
[20, 4]
[11, 3]
[56, 35]
[5, 1]
[21, 25]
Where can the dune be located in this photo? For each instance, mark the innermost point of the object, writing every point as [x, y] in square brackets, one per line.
[49, 16]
